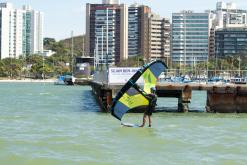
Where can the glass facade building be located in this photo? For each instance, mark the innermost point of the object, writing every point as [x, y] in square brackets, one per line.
[27, 33]
[230, 41]
[133, 31]
[190, 37]
[103, 32]
[116, 32]
[138, 30]
[105, 21]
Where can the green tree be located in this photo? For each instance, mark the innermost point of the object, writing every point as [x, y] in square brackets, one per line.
[48, 43]
[2, 69]
[11, 67]
[78, 44]
[35, 70]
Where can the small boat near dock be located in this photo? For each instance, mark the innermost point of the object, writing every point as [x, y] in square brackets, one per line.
[65, 80]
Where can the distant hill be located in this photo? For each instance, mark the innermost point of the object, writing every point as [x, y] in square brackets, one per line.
[78, 44]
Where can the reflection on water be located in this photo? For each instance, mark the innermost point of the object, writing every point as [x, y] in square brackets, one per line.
[47, 124]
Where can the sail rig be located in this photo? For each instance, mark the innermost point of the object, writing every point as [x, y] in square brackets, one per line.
[128, 98]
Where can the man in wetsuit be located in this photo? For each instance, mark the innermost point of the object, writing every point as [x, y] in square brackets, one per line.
[152, 98]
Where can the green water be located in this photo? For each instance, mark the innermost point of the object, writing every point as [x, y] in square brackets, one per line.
[61, 125]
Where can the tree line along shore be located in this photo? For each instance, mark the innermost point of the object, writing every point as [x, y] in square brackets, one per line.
[38, 67]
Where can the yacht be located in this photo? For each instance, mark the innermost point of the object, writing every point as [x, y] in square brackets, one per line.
[238, 80]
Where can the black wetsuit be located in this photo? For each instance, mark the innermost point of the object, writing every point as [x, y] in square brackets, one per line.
[152, 98]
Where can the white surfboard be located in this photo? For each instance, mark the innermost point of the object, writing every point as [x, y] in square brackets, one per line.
[129, 125]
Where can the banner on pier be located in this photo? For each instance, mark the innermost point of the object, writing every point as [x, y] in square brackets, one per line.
[122, 75]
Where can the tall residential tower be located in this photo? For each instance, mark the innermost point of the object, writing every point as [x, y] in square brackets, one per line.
[107, 32]
[116, 32]
[21, 31]
[159, 37]
[138, 30]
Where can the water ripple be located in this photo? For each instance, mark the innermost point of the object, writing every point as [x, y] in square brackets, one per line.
[47, 124]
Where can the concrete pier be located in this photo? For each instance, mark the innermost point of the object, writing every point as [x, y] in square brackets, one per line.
[220, 98]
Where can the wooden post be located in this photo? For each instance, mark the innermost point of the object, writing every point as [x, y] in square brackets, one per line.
[108, 99]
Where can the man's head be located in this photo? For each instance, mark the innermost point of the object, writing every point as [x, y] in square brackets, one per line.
[153, 90]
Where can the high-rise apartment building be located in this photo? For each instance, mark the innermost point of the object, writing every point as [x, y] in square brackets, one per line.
[33, 38]
[159, 37]
[138, 29]
[145, 32]
[107, 32]
[21, 31]
[190, 37]
[134, 31]
[148, 34]
[116, 32]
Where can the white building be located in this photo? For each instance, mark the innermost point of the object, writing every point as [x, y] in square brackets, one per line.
[47, 53]
[21, 31]
[226, 15]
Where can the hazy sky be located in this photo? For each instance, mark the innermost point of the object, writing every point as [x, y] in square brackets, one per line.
[63, 16]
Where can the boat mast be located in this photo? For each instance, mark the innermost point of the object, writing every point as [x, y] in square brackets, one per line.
[72, 51]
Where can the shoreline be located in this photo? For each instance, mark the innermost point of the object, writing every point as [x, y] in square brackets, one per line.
[27, 80]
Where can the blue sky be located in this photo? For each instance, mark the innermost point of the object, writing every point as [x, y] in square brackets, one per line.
[63, 16]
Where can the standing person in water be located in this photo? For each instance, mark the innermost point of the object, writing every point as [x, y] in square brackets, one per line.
[152, 98]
